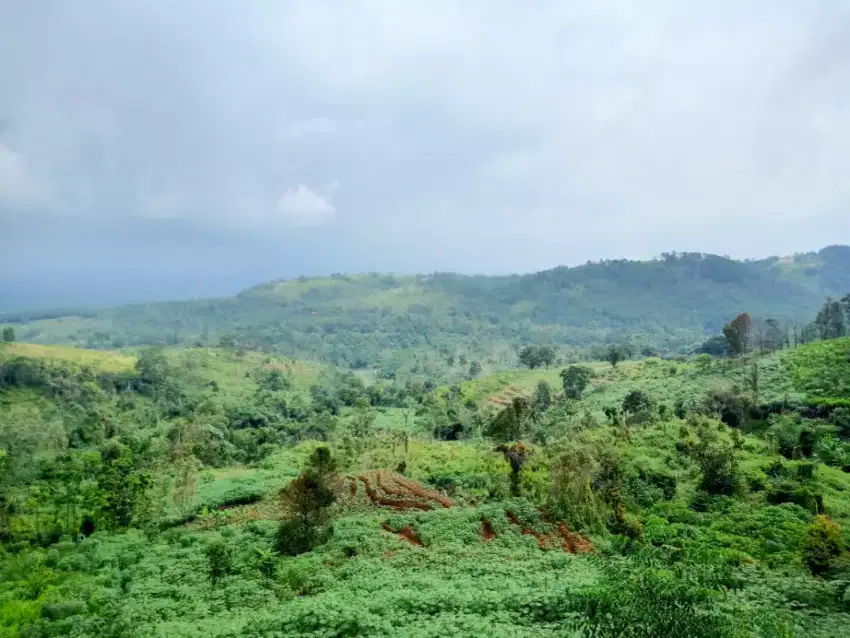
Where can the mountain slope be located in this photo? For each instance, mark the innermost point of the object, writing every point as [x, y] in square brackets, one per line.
[357, 320]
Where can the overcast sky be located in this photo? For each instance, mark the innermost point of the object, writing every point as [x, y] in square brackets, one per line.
[194, 146]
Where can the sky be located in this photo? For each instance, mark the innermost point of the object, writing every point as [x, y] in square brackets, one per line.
[156, 149]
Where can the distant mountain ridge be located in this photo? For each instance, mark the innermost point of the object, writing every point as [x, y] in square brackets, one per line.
[669, 303]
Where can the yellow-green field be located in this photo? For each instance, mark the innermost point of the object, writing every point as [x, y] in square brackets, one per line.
[105, 360]
[227, 368]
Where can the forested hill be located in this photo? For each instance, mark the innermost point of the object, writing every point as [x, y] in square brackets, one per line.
[668, 303]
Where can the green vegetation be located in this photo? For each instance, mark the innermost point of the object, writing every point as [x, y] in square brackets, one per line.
[451, 326]
[173, 491]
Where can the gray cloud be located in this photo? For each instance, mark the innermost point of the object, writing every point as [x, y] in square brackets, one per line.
[484, 136]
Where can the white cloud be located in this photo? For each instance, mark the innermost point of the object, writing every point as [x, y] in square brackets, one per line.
[302, 207]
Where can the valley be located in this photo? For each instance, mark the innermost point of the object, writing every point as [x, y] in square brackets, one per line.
[501, 487]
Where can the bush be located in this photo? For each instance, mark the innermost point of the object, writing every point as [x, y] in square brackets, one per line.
[637, 401]
[822, 544]
[299, 536]
[789, 491]
[219, 561]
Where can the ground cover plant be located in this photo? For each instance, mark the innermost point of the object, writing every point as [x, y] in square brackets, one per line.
[226, 492]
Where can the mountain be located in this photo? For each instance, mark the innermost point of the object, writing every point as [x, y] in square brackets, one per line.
[364, 320]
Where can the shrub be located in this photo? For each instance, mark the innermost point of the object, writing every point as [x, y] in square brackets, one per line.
[637, 401]
[298, 536]
[789, 491]
[219, 561]
[719, 471]
[822, 544]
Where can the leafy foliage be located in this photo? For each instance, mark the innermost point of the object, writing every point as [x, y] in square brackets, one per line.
[574, 380]
[822, 369]
[226, 492]
[822, 544]
[379, 320]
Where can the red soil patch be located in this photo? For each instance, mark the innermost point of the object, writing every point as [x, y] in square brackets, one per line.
[572, 542]
[487, 530]
[407, 533]
[416, 489]
[393, 490]
[562, 537]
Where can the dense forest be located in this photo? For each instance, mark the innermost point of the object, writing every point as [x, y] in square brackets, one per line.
[384, 322]
[225, 491]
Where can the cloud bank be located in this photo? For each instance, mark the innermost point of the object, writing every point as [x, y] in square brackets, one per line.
[486, 136]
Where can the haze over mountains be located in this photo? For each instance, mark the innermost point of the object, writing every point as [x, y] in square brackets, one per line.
[670, 304]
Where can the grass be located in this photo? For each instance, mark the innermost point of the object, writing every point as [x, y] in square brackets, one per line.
[103, 360]
[233, 371]
[230, 370]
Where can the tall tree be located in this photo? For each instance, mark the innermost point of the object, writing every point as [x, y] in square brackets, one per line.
[516, 454]
[533, 356]
[830, 320]
[511, 424]
[8, 334]
[185, 485]
[617, 353]
[575, 380]
[738, 334]
[542, 396]
[773, 336]
[306, 503]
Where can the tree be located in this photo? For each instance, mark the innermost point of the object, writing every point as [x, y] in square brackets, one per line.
[152, 367]
[125, 487]
[8, 334]
[186, 486]
[714, 346]
[516, 454]
[542, 396]
[575, 380]
[637, 401]
[306, 503]
[830, 320]
[738, 334]
[617, 353]
[533, 356]
[474, 369]
[773, 336]
[546, 355]
[227, 341]
[511, 424]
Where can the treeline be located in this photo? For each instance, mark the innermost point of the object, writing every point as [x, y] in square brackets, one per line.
[744, 334]
[364, 321]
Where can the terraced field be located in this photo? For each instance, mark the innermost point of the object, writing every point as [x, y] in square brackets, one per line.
[390, 489]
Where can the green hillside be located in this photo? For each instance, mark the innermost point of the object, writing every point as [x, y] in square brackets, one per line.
[382, 320]
[208, 492]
